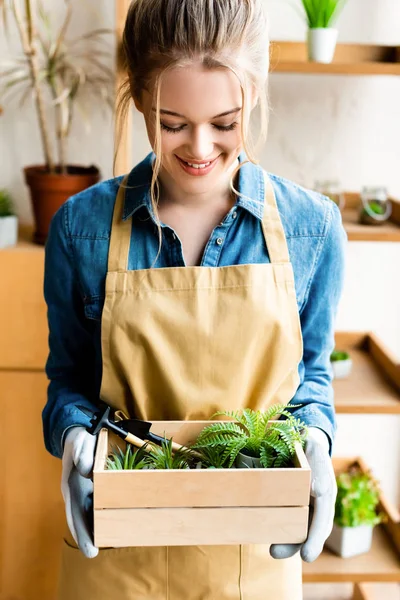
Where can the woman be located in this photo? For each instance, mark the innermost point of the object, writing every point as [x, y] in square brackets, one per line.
[196, 283]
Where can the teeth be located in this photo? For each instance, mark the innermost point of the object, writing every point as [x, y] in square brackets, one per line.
[199, 166]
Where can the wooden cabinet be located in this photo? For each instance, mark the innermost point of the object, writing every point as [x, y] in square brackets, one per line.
[31, 505]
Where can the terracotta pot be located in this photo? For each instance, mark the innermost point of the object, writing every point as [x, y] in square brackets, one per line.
[49, 192]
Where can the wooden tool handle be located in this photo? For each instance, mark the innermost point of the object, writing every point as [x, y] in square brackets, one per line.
[139, 443]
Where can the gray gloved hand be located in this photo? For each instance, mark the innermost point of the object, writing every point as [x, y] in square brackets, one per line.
[323, 494]
[77, 488]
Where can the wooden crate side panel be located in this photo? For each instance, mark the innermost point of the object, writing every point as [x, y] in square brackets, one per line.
[197, 526]
[222, 487]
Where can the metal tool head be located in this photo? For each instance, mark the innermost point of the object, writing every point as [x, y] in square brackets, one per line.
[136, 426]
[99, 419]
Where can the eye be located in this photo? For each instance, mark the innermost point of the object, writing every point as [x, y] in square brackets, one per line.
[230, 127]
[172, 129]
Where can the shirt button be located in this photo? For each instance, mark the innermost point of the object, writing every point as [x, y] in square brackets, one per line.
[219, 241]
[173, 236]
[234, 215]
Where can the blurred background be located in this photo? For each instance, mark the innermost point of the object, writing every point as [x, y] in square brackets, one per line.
[327, 126]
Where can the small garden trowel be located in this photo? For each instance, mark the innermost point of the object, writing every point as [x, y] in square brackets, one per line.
[133, 431]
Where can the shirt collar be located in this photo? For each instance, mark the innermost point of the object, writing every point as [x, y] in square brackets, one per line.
[250, 185]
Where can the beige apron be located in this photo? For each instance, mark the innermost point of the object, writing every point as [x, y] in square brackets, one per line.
[181, 343]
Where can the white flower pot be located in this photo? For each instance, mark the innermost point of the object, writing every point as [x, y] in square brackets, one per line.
[341, 368]
[350, 541]
[322, 44]
[8, 231]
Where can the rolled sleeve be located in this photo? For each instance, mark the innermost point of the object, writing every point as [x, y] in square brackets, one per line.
[70, 363]
[315, 393]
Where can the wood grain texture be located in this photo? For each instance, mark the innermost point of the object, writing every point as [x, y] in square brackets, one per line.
[349, 59]
[373, 386]
[198, 526]
[23, 325]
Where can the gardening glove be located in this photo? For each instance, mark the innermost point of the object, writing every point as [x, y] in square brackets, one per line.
[323, 497]
[77, 487]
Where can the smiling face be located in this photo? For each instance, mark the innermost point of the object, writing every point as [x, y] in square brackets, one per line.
[201, 113]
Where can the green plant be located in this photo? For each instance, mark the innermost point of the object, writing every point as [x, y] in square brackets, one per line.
[163, 457]
[256, 434]
[357, 499]
[376, 207]
[132, 458]
[6, 204]
[322, 13]
[339, 355]
[55, 72]
[155, 457]
[212, 458]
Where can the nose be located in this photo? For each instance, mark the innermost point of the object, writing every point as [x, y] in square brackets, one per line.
[201, 143]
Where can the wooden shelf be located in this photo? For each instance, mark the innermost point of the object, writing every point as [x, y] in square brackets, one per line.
[381, 564]
[373, 387]
[387, 232]
[350, 59]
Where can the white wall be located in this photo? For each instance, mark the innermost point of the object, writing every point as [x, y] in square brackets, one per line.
[321, 127]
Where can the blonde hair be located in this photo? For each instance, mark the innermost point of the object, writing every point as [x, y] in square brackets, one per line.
[164, 34]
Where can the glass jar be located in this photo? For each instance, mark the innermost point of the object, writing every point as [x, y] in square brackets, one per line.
[376, 207]
[331, 189]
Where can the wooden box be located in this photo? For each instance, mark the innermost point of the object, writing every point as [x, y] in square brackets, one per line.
[196, 507]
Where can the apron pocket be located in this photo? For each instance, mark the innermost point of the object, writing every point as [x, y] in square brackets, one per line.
[123, 573]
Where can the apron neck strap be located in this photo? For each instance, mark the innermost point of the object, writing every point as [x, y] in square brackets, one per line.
[120, 238]
[274, 233]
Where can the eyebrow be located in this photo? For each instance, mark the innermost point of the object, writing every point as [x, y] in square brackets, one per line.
[174, 114]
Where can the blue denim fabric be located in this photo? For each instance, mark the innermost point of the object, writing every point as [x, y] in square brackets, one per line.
[76, 267]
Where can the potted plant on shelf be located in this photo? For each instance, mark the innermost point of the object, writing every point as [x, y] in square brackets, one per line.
[8, 221]
[56, 73]
[376, 207]
[322, 36]
[341, 364]
[355, 513]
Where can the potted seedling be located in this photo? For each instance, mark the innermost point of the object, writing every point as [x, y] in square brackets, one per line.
[355, 513]
[376, 208]
[8, 221]
[57, 73]
[341, 364]
[321, 15]
[254, 439]
[149, 456]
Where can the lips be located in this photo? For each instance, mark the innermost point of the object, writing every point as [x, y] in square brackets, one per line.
[196, 171]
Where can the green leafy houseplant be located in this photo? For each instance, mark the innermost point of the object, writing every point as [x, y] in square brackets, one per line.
[8, 221]
[59, 74]
[357, 499]
[255, 434]
[322, 13]
[6, 204]
[355, 513]
[339, 355]
[150, 456]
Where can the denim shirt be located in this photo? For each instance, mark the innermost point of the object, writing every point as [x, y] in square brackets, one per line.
[76, 257]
